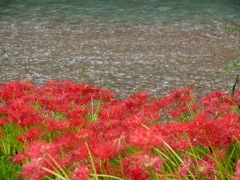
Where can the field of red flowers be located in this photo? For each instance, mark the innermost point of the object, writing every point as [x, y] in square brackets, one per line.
[66, 130]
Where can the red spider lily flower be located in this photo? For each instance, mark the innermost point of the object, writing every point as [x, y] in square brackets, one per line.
[151, 112]
[237, 171]
[135, 102]
[174, 113]
[106, 95]
[217, 103]
[4, 118]
[83, 100]
[177, 102]
[77, 112]
[213, 132]
[114, 110]
[186, 166]
[3, 110]
[134, 121]
[13, 90]
[84, 133]
[175, 134]
[63, 107]
[34, 169]
[41, 155]
[237, 134]
[30, 136]
[141, 165]
[113, 133]
[66, 140]
[177, 96]
[179, 144]
[23, 114]
[107, 130]
[103, 150]
[19, 158]
[78, 122]
[58, 125]
[81, 172]
[216, 98]
[18, 108]
[40, 149]
[173, 129]
[79, 153]
[142, 137]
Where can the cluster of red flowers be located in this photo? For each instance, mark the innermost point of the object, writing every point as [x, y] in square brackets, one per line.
[84, 130]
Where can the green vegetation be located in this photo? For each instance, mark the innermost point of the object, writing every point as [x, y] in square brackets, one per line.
[64, 130]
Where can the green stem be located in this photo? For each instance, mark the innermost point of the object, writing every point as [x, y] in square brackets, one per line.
[91, 159]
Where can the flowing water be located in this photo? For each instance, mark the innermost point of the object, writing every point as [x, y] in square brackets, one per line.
[125, 45]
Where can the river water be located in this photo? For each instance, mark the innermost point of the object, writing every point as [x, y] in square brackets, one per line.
[126, 46]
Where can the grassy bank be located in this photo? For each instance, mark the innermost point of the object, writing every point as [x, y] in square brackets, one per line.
[64, 130]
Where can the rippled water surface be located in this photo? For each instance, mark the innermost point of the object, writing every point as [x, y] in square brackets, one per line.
[127, 45]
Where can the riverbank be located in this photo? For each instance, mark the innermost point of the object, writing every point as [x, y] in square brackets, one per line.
[124, 57]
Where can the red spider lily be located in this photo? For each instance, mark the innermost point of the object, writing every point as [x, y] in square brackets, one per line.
[82, 172]
[185, 166]
[3, 110]
[177, 102]
[217, 103]
[78, 122]
[151, 111]
[58, 125]
[4, 118]
[30, 136]
[41, 155]
[177, 96]
[134, 121]
[79, 153]
[66, 140]
[142, 137]
[237, 171]
[23, 114]
[107, 130]
[141, 165]
[19, 158]
[13, 90]
[40, 149]
[213, 132]
[114, 110]
[237, 134]
[78, 112]
[59, 112]
[136, 101]
[33, 170]
[103, 150]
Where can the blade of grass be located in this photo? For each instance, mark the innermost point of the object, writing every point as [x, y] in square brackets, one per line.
[106, 176]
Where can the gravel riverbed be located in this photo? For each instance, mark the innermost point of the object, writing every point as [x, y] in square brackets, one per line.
[124, 57]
